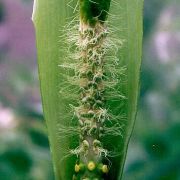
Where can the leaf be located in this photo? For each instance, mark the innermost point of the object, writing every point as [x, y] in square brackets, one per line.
[50, 17]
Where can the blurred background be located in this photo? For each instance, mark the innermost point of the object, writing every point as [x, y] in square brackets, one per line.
[154, 150]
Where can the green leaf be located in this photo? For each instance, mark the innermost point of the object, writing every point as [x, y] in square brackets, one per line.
[50, 17]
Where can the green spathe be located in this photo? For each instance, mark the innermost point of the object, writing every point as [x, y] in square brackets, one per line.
[92, 11]
[50, 17]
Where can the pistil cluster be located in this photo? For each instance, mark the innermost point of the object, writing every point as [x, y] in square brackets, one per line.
[91, 112]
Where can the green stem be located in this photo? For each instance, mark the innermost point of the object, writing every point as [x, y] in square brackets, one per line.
[91, 112]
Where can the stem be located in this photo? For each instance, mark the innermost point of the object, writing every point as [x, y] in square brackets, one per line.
[91, 112]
